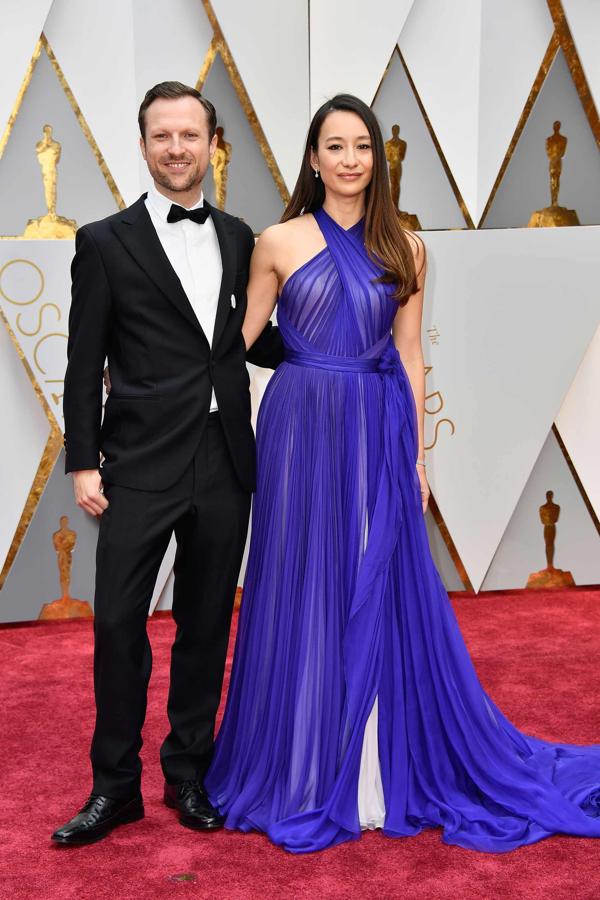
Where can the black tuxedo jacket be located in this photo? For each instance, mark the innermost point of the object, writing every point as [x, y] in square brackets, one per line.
[129, 306]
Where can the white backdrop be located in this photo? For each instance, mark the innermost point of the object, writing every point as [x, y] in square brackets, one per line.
[510, 312]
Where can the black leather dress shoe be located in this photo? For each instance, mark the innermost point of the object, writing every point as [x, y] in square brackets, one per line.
[97, 818]
[195, 809]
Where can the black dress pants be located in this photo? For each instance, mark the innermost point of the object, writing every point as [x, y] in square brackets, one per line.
[208, 510]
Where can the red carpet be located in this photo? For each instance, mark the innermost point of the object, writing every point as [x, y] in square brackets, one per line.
[538, 655]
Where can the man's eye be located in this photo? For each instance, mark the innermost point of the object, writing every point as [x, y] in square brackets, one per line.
[191, 134]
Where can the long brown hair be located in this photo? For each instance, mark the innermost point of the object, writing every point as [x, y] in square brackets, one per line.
[385, 239]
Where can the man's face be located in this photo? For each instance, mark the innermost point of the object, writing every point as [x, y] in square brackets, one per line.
[176, 147]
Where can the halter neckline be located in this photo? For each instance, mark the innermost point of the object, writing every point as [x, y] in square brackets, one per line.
[324, 212]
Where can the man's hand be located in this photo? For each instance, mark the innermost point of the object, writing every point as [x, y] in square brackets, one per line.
[87, 486]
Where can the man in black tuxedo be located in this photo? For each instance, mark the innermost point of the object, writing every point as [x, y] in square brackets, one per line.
[160, 290]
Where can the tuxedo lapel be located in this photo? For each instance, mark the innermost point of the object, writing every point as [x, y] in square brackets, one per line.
[227, 246]
[136, 231]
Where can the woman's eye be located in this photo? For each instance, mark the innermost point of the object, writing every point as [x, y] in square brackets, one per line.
[364, 146]
[335, 147]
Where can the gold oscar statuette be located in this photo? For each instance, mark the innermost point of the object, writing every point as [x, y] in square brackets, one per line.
[395, 151]
[550, 577]
[220, 163]
[51, 225]
[554, 216]
[64, 541]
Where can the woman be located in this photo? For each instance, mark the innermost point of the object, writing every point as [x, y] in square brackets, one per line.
[353, 702]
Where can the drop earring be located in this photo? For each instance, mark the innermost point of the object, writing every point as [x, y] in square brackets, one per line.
[316, 173]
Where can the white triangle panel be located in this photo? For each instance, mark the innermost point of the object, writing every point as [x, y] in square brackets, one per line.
[171, 48]
[425, 189]
[34, 578]
[522, 548]
[19, 34]
[270, 50]
[502, 360]
[351, 45]
[473, 64]
[441, 555]
[164, 579]
[29, 432]
[578, 423]
[514, 39]
[40, 275]
[167, 53]
[525, 186]
[441, 44]
[251, 191]
[26, 425]
[583, 17]
[165, 600]
[94, 45]
[21, 184]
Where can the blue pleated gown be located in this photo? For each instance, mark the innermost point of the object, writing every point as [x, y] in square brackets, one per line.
[343, 607]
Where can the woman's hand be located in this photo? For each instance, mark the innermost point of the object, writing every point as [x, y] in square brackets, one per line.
[424, 487]
[106, 380]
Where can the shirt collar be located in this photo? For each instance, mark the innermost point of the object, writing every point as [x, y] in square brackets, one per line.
[162, 205]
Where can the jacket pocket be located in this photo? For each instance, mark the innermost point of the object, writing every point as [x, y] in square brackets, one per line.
[133, 396]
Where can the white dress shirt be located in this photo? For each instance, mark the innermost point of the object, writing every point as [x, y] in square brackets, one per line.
[193, 251]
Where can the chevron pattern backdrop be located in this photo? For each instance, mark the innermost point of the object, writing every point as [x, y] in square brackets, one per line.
[511, 332]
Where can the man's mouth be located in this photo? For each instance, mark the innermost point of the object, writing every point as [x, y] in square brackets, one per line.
[176, 166]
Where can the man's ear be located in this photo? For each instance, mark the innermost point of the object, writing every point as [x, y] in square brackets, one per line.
[143, 147]
[212, 146]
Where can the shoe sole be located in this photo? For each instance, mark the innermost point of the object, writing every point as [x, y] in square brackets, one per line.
[133, 816]
[190, 823]
[194, 827]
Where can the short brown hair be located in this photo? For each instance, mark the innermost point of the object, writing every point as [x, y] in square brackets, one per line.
[171, 90]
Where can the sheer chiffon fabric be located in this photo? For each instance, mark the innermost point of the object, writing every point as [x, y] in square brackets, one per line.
[343, 608]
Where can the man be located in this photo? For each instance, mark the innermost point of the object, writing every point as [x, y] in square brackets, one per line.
[160, 289]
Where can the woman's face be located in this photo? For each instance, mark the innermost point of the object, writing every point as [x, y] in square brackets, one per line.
[344, 154]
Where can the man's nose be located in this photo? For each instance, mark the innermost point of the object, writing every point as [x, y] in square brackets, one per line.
[175, 146]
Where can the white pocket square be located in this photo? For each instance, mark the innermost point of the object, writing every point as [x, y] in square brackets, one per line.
[233, 301]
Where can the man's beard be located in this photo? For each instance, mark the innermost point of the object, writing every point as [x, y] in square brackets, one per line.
[193, 180]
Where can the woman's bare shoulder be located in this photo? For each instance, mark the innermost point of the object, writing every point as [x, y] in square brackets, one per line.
[417, 246]
[416, 242]
[282, 244]
[282, 232]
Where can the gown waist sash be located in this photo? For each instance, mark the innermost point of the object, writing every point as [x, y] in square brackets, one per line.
[330, 363]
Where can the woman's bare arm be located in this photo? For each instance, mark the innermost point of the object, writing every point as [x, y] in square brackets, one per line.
[262, 286]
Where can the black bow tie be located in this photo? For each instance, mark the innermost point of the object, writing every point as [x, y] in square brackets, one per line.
[199, 215]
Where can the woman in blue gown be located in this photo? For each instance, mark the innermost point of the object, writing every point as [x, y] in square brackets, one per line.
[353, 702]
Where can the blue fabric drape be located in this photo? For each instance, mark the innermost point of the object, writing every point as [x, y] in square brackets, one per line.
[342, 603]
